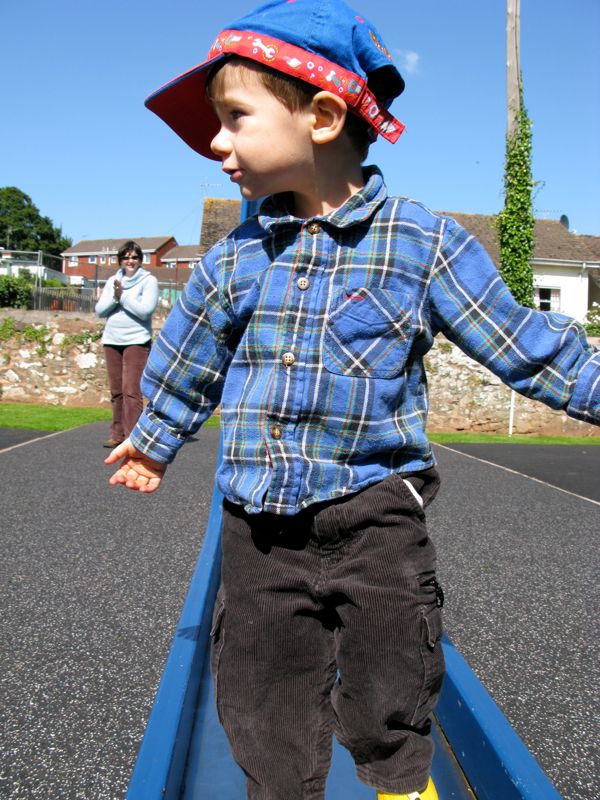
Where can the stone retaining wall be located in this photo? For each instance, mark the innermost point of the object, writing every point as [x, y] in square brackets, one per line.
[57, 359]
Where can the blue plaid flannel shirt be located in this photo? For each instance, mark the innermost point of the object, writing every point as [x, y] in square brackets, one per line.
[311, 333]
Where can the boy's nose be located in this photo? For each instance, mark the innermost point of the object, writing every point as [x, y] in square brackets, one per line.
[220, 145]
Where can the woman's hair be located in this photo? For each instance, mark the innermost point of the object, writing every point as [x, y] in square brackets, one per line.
[129, 247]
[294, 94]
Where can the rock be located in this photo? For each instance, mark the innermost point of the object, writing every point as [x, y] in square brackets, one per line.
[86, 360]
[65, 389]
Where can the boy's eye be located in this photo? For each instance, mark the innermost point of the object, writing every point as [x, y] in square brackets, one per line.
[236, 114]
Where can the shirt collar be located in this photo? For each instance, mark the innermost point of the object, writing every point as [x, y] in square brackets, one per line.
[274, 211]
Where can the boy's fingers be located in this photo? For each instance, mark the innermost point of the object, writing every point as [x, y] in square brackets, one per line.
[117, 477]
[136, 471]
[138, 474]
[120, 451]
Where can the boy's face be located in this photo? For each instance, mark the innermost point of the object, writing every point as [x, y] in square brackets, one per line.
[263, 147]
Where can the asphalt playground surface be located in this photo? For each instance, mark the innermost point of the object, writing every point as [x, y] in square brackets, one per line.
[94, 578]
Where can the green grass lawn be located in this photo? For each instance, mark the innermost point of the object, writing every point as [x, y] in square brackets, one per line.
[498, 438]
[48, 418]
[55, 418]
[60, 418]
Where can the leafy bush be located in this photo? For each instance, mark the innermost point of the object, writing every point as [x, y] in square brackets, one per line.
[84, 338]
[515, 223]
[7, 329]
[35, 333]
[592, 320]
[15, 292]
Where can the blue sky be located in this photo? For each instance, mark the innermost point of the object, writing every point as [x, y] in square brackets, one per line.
[76, 137]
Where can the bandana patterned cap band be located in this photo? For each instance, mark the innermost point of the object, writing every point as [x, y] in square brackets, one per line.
[313, 69]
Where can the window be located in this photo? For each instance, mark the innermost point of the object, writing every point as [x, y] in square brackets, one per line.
[547, 299]
[73, 261]
[103, 259]
[92, 259]
[171, 264]
[146, 259]
[113, 259]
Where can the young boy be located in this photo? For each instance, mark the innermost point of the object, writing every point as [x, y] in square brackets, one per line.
[309, 323]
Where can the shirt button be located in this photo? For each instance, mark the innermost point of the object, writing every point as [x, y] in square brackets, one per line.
[288, 359]
[303, 283]
[276, 431]
[314, 227]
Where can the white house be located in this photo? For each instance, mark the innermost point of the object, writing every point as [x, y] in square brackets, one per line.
[566, 266]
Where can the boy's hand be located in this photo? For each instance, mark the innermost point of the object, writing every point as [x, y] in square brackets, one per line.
[137, 471]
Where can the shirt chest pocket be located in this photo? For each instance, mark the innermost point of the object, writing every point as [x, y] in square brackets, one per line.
[368, 333]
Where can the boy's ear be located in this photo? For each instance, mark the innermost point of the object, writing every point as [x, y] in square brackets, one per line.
[329, 112]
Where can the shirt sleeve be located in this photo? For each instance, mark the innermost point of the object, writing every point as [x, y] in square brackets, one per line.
[542, 355]
[144, 305]
[107, 303]
[186, 369]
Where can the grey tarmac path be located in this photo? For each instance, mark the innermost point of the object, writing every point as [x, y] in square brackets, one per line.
[519, 563]
[575, 468]
[94, 579]
[9, 437]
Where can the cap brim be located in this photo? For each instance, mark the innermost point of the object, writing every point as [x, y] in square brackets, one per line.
[183, 105]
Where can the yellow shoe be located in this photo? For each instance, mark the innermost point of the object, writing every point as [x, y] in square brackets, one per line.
[429, 793]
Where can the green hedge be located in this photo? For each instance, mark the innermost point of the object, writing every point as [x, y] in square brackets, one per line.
[15, 292]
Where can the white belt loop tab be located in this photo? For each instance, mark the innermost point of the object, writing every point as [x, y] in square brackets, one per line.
[414, 492]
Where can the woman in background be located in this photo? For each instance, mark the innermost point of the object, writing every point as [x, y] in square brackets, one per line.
[127, 302]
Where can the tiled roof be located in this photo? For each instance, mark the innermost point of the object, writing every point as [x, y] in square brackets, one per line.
[182, 252]
[218, 218]
[110, 246]
[593, 243]
[552, 240]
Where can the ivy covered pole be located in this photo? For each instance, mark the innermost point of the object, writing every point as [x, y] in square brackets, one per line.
[515, 223]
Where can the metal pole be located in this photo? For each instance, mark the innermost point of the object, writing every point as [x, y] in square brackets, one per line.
[511, 413]
[513, 64]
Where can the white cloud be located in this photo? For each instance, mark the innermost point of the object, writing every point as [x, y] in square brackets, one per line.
[409, 61]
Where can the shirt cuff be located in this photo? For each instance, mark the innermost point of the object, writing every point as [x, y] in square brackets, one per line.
[585, 402]
[155, 440]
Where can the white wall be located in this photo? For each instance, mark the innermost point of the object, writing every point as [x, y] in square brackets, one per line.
[573, 283]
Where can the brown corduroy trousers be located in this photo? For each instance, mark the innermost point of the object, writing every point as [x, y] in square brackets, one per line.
[125, 364]
[329, 622]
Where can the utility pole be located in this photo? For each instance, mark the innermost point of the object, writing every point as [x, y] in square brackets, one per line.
[514, 90]
[513, 106]
[515, 223]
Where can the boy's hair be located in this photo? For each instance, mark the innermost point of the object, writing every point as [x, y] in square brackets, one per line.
[129, 247]
[295, 95]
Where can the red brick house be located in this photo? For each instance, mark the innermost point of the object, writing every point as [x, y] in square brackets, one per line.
[96, 259]
[183, 256]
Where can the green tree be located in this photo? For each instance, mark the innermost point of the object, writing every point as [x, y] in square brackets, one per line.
[22, 227]
[515, 223]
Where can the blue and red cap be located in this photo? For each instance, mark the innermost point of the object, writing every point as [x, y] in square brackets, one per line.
[322, 42]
